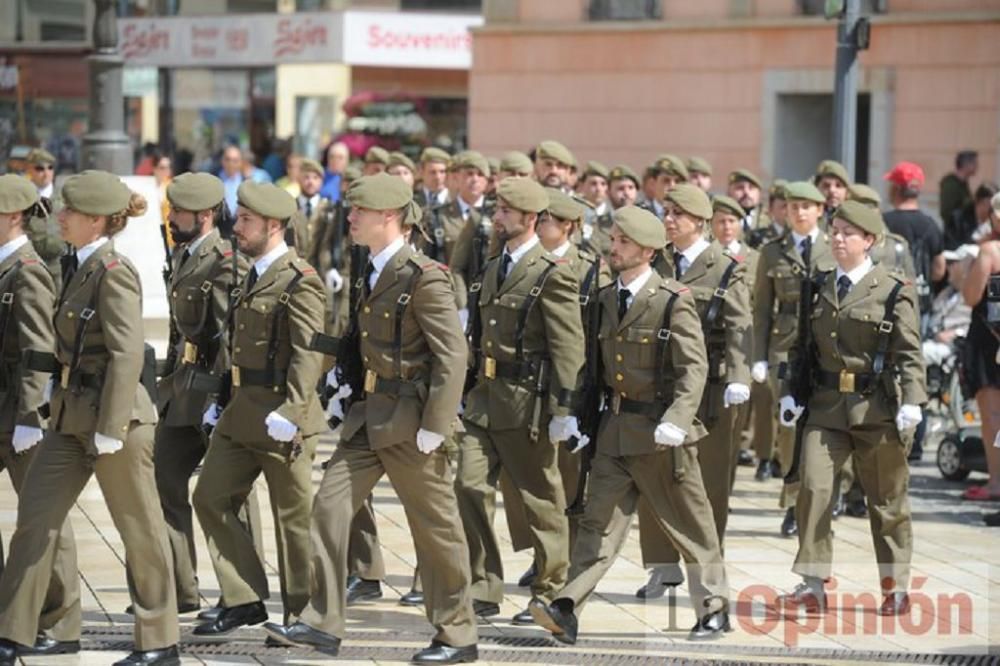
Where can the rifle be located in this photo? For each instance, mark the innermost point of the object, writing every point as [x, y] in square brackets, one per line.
[168, 277]
[335, 216]
[225, 382]
[541, 383]
[800, 366]
[350, 365]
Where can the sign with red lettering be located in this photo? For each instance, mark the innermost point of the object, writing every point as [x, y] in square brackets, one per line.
[399, 39]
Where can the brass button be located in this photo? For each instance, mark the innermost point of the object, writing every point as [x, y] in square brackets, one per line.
[619, 377]
[189, 298]
[833, 334]
[489, 345]
[174, 293]
[385, 315]
[619, 338]
[246, 305]
[237, 350]
[367, 309]
[69, 315]
[619, 358]
[242, 326]
[493, 322]
[364, 334]
[496, 301]
[367, 360]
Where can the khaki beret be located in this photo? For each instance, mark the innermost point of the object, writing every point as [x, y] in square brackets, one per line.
[862, 216]
[267, 200]
[744, 174]
[307, 165]
[832, 168]
[563, 206]
[523, 194]
[397, 158]
[595, 168]
[494, 163]
[433, 154]
[699, 165]
[777, 190]
[728, 205]
[516, 162]
[16, 194]
[95, 192]
[380, 192]
[556, 151]
[196, 191]
[641, 226]
[864, 194]
[803, 190]
[671, 164]
[352, 173]
[624, 171]
[377, 155]
[692, 200]
[473, 159]
[41, 156]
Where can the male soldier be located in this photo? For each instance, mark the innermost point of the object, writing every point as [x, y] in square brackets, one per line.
[717, 280]
[866, 366]
[653, 366]
[515, 164]
[597, 212]
[376, 161]
[670, 172]
[414, 358]
[832, 181]
[433, 172]
[744, 186]
[700, 173]
[553, 162]
[273, 420]
[623, 186]
[43, 232]
[784, 263]
[527, 330]
[313, 214]
[402, 166]
[650, 197]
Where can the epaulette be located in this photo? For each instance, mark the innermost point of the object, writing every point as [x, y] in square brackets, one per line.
[552, 259]
[900, 278]
[585, 254]
[425, 264]
[304, 270]
[29, 262]
[111, 262]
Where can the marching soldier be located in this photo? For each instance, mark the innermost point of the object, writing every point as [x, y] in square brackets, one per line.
[776, 219]
[717, 280]
[783, 265]
[833, 181]
[43, 231]
[330, 253]
[653, 365]
[403, 167]
[553, 164]
[515, 164]
[891, 250]
[273, 419]
[745, 188]
[623, 188]
[526, 335]
[376, 161]
[27, 302]
[866, 367]
[414, 360]
[101, 423]
[700, 173]
[433, 171]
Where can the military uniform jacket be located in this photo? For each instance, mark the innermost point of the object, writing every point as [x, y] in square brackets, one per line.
[320, 225]
[580, 263]
[432, 356]
[104, 393]
[28, 327]
[596, 237]
[893, 252]
[297, 368]
[199, 302]
[459, 236]
[776, 299]
[846, 335]
[298, 233]
[629, 351]
[552, 329]
[750, 258]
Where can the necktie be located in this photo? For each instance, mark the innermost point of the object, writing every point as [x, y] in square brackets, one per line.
[678, 271]
[309, 208]
[252, 279]
[623, 296]
[843, 286]
[69, 262]
[369, 270]
[184, 258]
[805, 249]
[504, 267]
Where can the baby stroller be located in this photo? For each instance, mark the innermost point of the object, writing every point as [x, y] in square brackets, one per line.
[953, 420]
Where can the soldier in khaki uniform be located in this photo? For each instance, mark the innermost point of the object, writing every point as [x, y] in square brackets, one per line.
[699, 173]
[784, 263]
[42, 230]
[515, 164]
[891, 250]
[27, 302]
[717, 280]
[527, 334]
[376, 161]
[654, 370]
[833, 182]
[868, 377]
[205, 272]
[411, 346]
[623, 188]
[273, 420]
[101, 423]
[432, 190]
[553, 165]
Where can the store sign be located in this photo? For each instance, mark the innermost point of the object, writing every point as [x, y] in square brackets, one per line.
[139, 81]
[395, 39]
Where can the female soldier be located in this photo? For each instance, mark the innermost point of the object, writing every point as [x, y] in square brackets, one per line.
[101, 423]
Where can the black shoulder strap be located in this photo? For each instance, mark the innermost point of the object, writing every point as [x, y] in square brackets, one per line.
[715, 305]
[588, 281]
[663, 339]
[7, 304]
[529, 302]
[437, 233]
[397, 335]
[885, 329]
[86, 315]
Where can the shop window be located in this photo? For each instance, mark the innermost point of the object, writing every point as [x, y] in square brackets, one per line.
[818, 7]
[625, 10]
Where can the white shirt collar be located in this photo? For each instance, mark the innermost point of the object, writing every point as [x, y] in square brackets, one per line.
[464, 207]
[562, 249]
[313, 201]
[439, 198]
[382, 258]
[734, 247]
[193, 245]
[858, 272]
[263, 263]
[797, 239]
[83, 253]
[47, 191]
[636, 284]
[516, 255]
[12, 246]
[694, 251]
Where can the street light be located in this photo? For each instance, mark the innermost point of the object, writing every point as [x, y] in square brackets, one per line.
[853, 35]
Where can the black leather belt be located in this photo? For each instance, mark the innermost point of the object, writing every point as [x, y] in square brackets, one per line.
[619, 404]
[243, 377]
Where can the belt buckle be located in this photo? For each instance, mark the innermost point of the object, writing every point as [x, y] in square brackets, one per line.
[190, 353]
[371, 381]
[616, 404]
[846, 382]
[64, 377]
[490, 367]
[236, 375]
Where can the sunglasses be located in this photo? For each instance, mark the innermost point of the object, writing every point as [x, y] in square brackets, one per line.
[45, 167]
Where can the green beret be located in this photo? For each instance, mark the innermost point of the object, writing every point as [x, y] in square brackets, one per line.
[803, 190]
[671, 164]
[623, 171]
[377, 155]
[433, 154]
[17, 194]
[96, 193]
[523, 194]
[267, 200]
[472, 159]
[41, 156]
[778, 188]
[832, 168]
[692, 200]
[862, 216]
[397, 158]
[744, 174]
[380, 192]
[563, 206]
[555, 151]
[307, 165]
[352, 173]
[196, 191]
[864, 194]
[516, 162]
[699, 165]
[595, 168]
[494, 163]
[641, 226]
[728, 205]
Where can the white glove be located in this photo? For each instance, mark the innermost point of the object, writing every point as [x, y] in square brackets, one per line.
[333, 280]
[908, 416]
[428, 441]
[996, 440]
[106, 445]
[562, 428]
[279, 428]
[667, 434]
[335, 408]
[47, 391]
[26, 437]
[759, 372]
[789, 411]
[581, 443]
[735, 394]
[211, 415]
[463, 317]
[331, 379]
